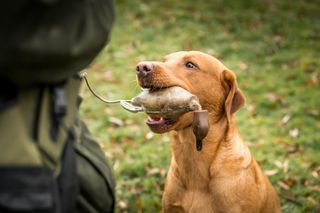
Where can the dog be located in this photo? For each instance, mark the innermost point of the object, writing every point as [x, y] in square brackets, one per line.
[223, 177]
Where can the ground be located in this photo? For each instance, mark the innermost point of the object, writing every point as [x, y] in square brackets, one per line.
[274, 49]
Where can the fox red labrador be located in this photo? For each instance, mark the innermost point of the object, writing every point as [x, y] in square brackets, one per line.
[223, 177]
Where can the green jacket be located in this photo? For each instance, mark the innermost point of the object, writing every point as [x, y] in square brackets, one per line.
[45, 41]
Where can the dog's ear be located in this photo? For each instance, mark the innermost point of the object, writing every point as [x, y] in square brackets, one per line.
[235, 99]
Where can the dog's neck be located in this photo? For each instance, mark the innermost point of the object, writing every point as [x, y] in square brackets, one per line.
[222, 144]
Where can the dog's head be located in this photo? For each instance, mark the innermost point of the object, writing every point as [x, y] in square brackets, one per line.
[200, 74]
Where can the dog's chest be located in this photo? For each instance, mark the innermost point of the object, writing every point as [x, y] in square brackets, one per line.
[194, 201]
[193, 184]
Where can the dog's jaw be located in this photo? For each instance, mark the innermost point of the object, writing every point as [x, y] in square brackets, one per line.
[160, 124]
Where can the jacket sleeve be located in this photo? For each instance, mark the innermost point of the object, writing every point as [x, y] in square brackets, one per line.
[46, 41]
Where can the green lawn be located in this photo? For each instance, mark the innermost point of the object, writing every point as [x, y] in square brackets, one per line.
[274, 48]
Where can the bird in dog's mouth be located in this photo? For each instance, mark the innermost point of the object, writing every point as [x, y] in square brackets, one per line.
[164, 106]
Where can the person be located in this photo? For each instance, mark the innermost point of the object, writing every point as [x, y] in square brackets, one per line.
[49, 162]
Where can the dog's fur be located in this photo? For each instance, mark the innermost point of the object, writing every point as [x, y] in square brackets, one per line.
[224, 176]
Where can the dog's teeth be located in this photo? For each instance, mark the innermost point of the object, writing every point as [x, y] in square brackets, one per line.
[155, 118]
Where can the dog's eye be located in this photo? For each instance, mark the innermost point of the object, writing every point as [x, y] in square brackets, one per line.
[190, 65]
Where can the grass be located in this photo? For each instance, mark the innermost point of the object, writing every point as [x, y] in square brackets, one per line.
[272, 46]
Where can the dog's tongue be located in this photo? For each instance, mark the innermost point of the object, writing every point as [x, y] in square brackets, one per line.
[155, 120]
[167, 103]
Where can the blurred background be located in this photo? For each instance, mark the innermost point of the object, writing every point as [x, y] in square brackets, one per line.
[273, 46]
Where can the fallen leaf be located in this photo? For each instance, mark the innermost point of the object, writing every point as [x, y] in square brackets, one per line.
[108, 154]
[108, 110]
[277, 39]
[314, 79]
[278, 164]
[129, 121]
[315, 188]
[271, 172]
[312, 200]
[294, 133]
[136, 189]
[273, 97]
[243, 66]
[252, 109]
[116, 165]
[116, 121]
[313, 112]
[255, 144]
[156, 171]
[291, 76]
[135, 128]
[282, 165]
[166, 139]
[108, 76]
[96, 67]
[317, 170]
[283, 185]
[285, 166]
[289, 181]
[149, 135]
[122, 204]
[291, 149]
[291, 197]
[285, 119]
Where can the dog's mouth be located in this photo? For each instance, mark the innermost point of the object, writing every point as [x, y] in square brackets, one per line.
[165, 104]
[155, 88]
[160, 124]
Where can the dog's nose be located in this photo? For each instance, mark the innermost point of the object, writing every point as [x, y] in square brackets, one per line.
[144, 68]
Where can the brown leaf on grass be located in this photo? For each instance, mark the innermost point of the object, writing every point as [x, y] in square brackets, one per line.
[291, 76]
[292, 149]
[116, 121]
[156, 171]
[129, 122]
[282, 165]
[277, 39]
[251, 109]
[243, 65]
[313, 112]
[292, 198]
[316, 172]
[166, 139]
[136, 189]
[314, 79]
[283, 185]
[123, 205]
[274, 100]
[271, 172]
[312, 200]
[108, 76]
[256, 144]
[149, 135]
[315, 188]
[290, 181]
[294, 133]
[116, 164]
[134, 128]
[96, 67]
[273, 97]
[108, 111]
[285, 119]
